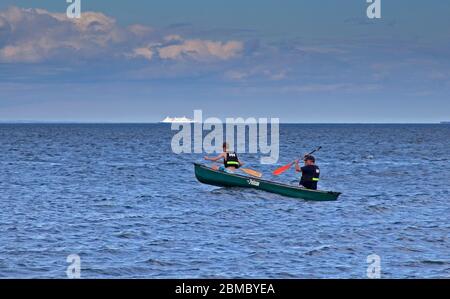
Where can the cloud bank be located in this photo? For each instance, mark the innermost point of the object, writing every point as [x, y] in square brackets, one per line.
[38, 45]
[37, 35]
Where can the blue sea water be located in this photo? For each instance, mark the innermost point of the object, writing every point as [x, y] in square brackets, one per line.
[118, 197]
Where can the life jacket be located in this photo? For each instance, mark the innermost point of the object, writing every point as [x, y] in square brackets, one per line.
[231, 160]
[310, 178]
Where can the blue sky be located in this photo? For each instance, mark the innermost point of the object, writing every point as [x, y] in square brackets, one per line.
[301, 61]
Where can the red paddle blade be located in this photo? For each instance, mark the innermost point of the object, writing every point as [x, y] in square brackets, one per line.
[282, 169]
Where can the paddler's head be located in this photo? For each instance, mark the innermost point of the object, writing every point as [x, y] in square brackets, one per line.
[225, 147]
[309, 160]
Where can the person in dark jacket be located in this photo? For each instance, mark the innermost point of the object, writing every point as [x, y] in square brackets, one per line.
[310, 172]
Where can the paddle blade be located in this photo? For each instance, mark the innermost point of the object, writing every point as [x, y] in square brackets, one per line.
[252, 172]
[282, 169]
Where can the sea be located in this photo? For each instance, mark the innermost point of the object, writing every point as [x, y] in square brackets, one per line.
[120, 200]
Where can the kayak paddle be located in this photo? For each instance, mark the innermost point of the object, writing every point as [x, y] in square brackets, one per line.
[245, 170]
[282, 169]
[252, 172]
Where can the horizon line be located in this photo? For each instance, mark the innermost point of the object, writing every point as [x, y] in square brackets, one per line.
[158, 122]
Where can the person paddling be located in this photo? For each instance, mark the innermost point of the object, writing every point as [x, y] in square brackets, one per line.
[231, 161]
[310, 172]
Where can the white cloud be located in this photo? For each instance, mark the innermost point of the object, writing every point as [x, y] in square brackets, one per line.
[37, 35]
[146, 53]
[24, 53]
[173, 37]
[202, 49]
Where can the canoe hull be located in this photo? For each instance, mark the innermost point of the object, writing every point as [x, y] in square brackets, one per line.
[209, 176]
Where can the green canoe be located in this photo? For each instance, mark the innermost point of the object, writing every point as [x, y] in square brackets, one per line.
[219, 178]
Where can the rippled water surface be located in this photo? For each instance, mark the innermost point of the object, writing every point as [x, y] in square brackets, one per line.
[118, 197]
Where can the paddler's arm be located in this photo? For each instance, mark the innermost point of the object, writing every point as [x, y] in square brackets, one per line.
[221, 156]
[297, 167]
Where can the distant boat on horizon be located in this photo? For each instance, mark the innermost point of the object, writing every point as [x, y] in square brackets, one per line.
[170, 120]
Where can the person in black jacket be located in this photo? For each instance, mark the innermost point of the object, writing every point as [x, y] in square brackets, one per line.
[310, 172]
[231, 161]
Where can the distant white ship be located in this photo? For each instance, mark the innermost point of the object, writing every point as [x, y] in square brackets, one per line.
[184, 119]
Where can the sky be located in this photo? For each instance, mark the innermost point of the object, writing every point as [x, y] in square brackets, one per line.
[319, 61]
